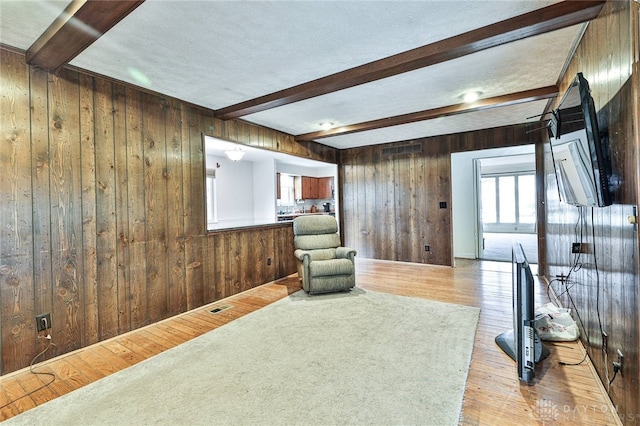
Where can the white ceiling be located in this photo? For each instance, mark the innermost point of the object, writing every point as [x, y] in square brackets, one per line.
[219, 53]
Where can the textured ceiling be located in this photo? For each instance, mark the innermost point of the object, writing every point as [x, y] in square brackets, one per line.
[218, 53]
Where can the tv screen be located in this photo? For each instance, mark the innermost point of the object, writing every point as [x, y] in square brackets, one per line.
[522, 343]
[580, 157]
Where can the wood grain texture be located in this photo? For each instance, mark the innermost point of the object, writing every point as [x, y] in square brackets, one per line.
[392, 202]
[121, 183]
[604, 285]
[562, 395]
[197, 293]
[91, 322]
[136, 214]
[43, 289]
[16, 263]
[106, 234]
[103, 210]
[66, 217]
[177, 296]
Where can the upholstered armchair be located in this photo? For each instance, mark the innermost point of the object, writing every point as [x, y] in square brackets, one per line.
[323, 266]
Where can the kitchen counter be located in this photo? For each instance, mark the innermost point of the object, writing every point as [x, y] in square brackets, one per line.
[290, 216]
[281, 219]
[243, 224]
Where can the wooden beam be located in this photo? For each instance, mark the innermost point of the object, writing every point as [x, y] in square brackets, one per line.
[81, 23]
[551, 18]
[495, 102]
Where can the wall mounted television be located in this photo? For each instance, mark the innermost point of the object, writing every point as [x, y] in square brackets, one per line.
[522, 343]
[580, 158]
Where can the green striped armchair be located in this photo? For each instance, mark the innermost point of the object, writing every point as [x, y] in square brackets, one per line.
[323, 265]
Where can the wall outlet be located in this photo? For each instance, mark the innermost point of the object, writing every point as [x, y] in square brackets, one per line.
[576, 248]
[427, 248]
[268, 261]
[43, 322]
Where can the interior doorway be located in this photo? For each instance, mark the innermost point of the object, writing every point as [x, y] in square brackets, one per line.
[506, 206]
[511, 215]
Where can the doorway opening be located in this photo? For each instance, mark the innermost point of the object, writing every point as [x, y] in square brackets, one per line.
[506, 206]
[486, 221]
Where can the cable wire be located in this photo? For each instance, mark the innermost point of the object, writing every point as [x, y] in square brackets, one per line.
[31, 370]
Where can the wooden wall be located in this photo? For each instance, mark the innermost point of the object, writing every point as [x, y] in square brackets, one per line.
[392, 202]
[603, 287]
[102, 217]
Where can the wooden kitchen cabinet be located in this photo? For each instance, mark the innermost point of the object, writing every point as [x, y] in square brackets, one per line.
[325, 187]
[309, 188]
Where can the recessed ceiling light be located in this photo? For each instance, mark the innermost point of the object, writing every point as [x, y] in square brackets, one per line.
[326, 125]
[472, 96]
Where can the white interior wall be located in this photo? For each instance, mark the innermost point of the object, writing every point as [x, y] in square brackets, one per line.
[464, 206]
[264, 190]
[234, 183]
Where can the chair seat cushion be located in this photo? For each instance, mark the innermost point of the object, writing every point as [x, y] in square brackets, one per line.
[323, 268]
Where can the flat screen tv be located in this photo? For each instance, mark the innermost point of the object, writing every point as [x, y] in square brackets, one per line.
[522, 343]
[580, 158]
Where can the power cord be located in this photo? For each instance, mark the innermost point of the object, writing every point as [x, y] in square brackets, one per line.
[616, 368]
[32, 371]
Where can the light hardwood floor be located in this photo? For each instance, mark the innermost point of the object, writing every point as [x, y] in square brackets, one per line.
[561, 394]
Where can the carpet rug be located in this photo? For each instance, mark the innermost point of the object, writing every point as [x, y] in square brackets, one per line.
[352, 358]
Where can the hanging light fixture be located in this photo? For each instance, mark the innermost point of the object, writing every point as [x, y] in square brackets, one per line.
[235, 154]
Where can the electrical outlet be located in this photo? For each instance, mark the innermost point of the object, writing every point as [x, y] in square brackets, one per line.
[43, 322]
[268, 261]
[576, 248]
[427, 248]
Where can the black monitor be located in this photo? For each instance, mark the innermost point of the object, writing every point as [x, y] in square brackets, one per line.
[522, 343]
[580, 152]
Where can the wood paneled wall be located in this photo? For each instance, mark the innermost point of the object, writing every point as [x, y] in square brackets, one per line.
[392, 202]
[102, 215]
[603, 286]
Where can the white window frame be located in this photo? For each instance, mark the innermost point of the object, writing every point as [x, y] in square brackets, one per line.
[498, 226]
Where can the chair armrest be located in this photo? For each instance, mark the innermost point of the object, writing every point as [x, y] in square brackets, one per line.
[301, 254]
[345, 253]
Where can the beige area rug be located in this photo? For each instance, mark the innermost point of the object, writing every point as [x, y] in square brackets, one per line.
[353, 358]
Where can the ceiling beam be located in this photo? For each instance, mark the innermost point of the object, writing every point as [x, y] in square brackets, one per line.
[495, 102]
[550, 18]
[81, 23]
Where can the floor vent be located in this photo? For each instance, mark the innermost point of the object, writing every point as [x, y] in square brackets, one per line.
[402, 149]
[220, 309]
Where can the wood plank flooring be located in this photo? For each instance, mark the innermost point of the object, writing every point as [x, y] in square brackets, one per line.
[561, 395]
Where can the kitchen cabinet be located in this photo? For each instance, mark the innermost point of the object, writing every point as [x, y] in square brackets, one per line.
[325, 187]
[309, 188]
[312, 188]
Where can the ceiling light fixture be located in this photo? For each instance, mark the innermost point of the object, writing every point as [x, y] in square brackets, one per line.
[326, 125]
[472, 96]
[235, 154]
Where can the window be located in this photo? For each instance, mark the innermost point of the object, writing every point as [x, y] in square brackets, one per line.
[286, 190]
[509, 202]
